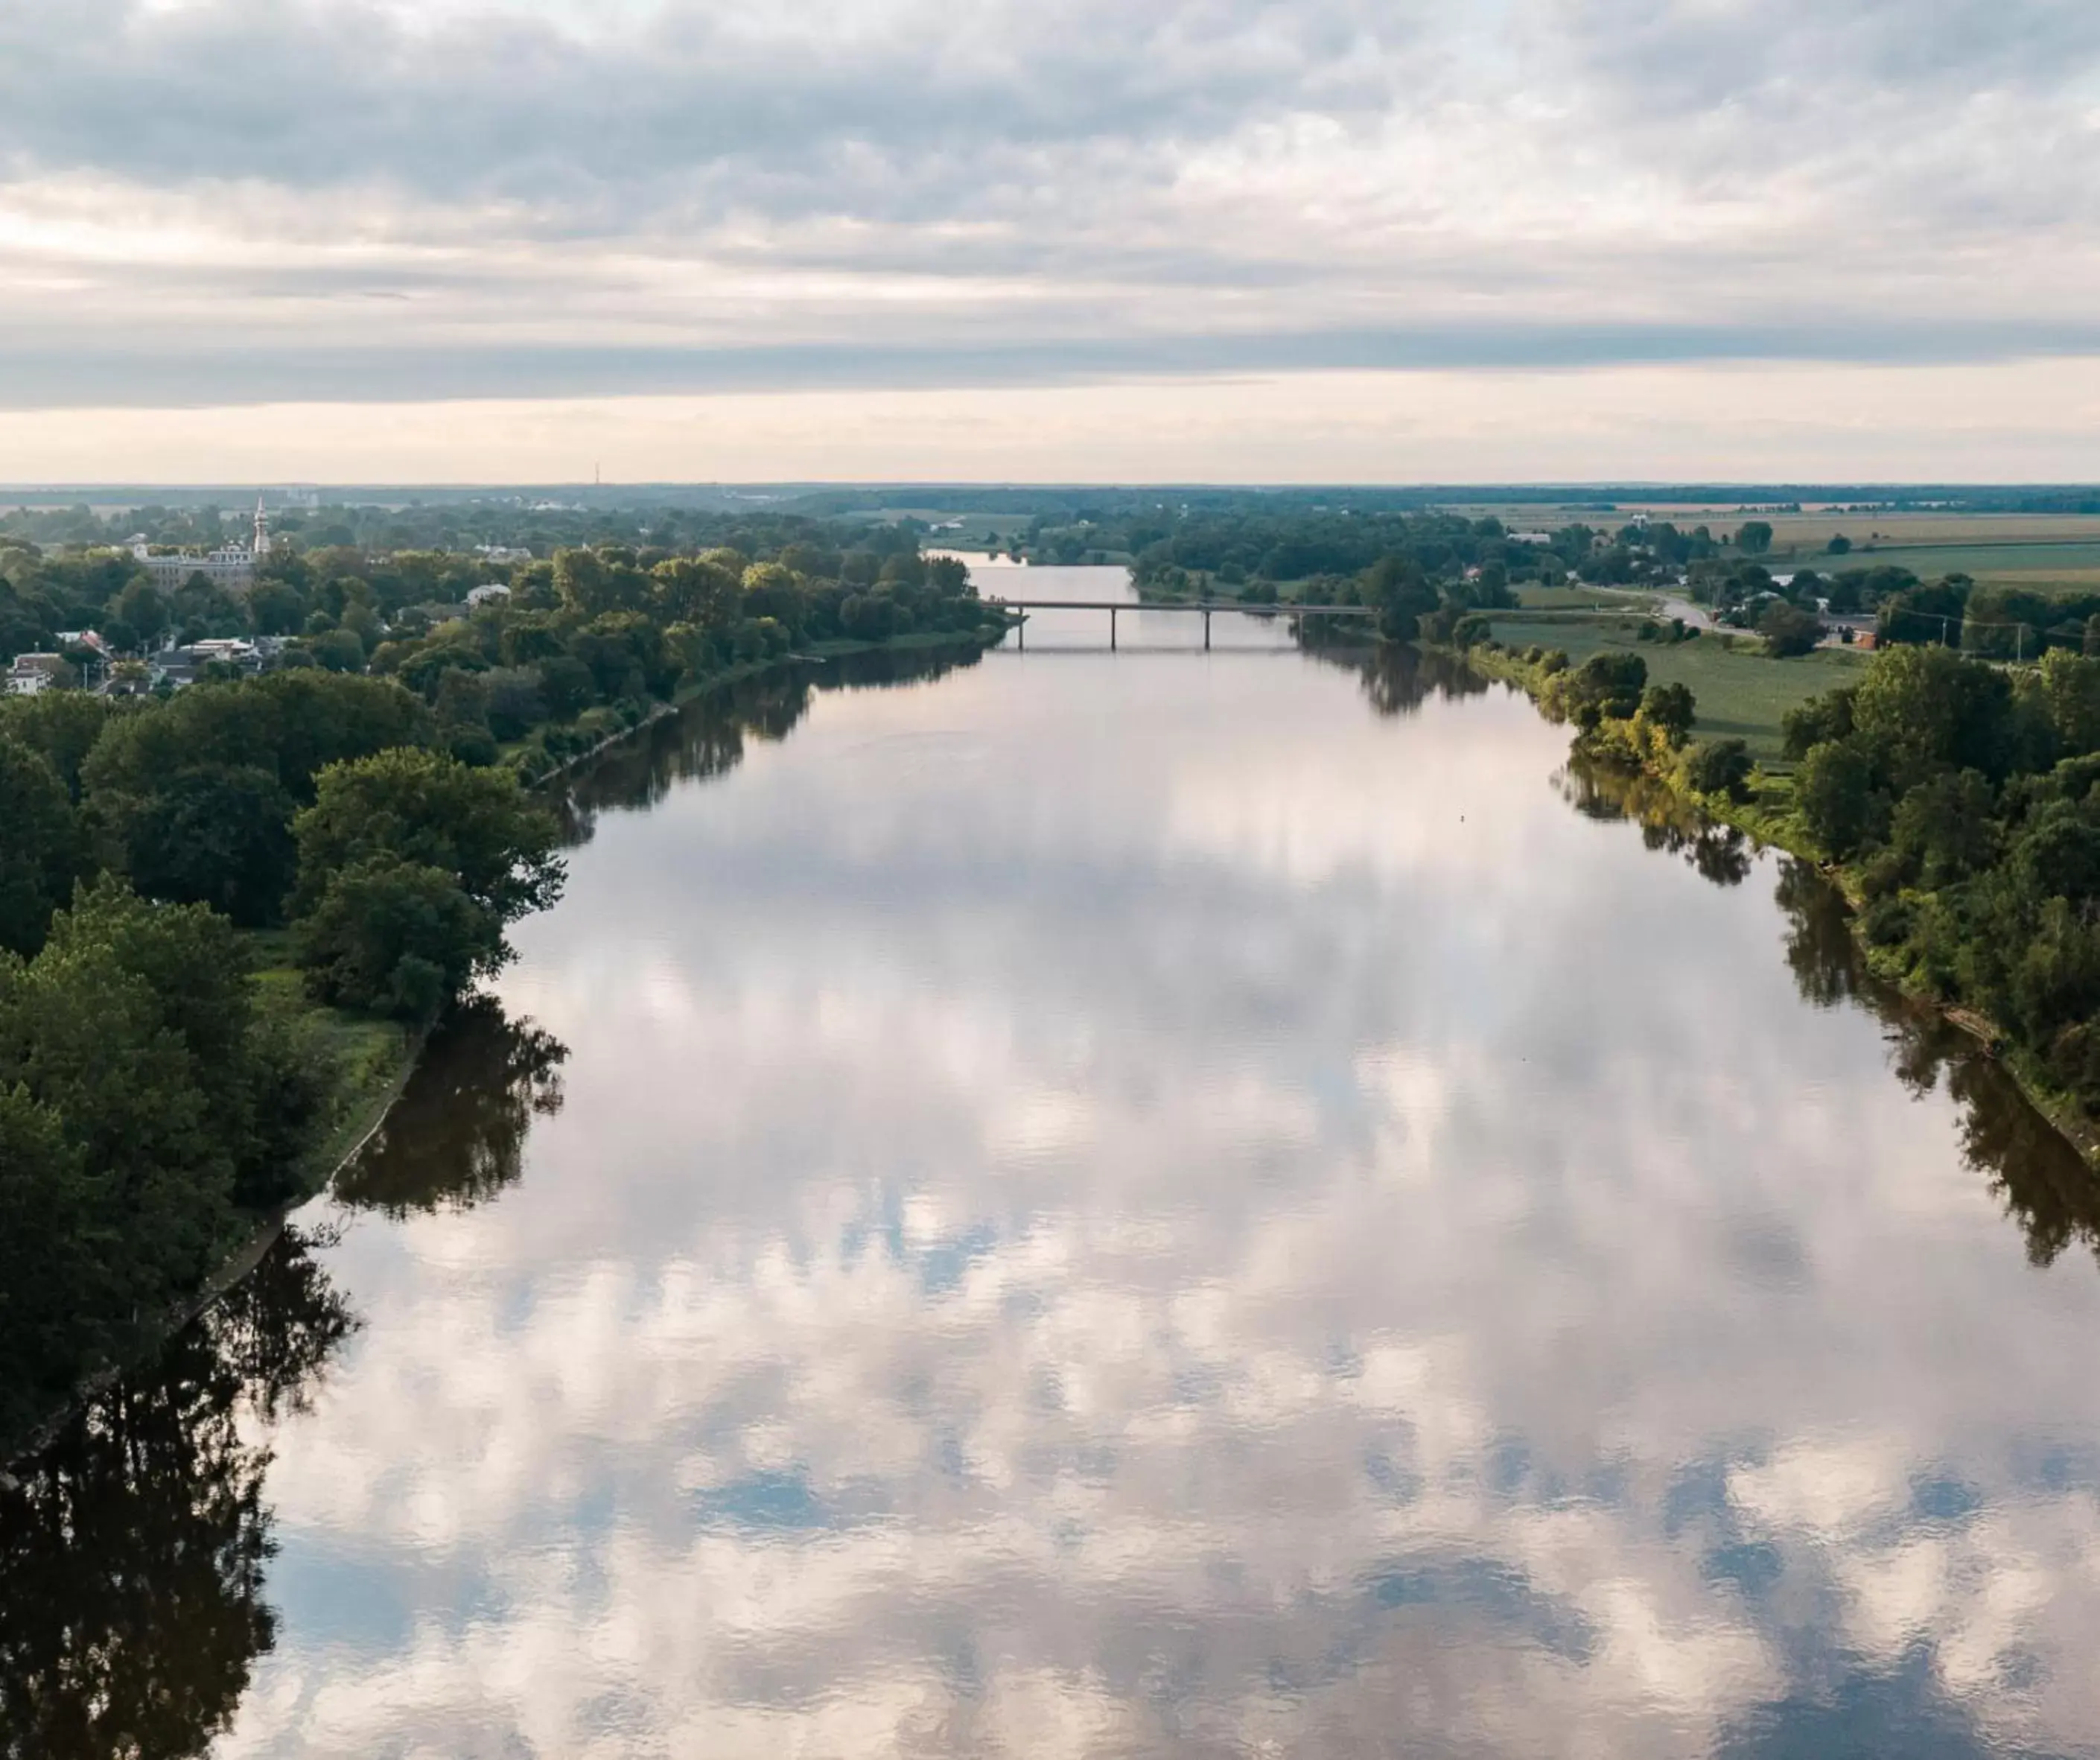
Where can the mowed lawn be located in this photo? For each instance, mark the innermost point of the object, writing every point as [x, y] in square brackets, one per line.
[1740, 695]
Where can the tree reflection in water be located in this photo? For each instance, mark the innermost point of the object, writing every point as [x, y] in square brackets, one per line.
[457, 1134]
[706, 738]
[1720, 853]
[2044, 1183]
[1398, 680]
[132, 1553]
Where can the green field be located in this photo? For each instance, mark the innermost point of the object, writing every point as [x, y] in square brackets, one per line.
[1537, 598]
[2061, 566]
[1740, 693]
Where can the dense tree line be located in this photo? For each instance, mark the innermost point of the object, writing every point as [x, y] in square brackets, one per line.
[1961, 794]
[154, 1100]
[586, 642]
[337, 592]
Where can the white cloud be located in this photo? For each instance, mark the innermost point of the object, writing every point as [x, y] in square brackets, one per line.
[343, 200]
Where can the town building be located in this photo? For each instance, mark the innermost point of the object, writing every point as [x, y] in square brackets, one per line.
[230, 565]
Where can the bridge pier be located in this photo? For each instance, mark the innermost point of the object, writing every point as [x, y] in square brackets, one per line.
[1112, 627]
[1206, 631]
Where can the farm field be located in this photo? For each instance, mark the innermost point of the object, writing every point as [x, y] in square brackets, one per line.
[1741, 695]
[2066, 565]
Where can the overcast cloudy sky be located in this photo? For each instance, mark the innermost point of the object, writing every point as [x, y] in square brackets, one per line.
[1240, 238]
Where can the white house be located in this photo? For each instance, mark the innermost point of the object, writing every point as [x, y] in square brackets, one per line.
[494, 591]
[33, 674]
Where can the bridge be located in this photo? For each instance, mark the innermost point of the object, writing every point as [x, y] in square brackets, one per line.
[1207, 606]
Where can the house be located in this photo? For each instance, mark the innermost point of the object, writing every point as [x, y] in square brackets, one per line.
[494, 592]
[229, 651]
[33, 673]
[178, 667]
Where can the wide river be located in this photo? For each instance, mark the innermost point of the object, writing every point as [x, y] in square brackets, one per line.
[1114, 1204]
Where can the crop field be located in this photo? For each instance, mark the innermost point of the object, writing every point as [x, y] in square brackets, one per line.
[2066, 567]
[1740, 693]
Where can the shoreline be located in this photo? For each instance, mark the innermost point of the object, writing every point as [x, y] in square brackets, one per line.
[366, 1111]
[1774, 830]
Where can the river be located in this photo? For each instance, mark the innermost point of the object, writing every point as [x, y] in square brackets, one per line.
[1082, 1204]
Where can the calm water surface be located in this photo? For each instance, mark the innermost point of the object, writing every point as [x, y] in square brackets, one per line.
[1159, 1203]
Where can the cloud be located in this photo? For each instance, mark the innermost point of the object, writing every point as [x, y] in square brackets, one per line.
[539, 199]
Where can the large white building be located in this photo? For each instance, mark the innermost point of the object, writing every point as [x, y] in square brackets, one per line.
[230, 565]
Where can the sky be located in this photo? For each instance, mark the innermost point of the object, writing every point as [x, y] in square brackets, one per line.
[1080, 240]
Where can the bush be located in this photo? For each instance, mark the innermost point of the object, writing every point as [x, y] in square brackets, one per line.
[1719, 767]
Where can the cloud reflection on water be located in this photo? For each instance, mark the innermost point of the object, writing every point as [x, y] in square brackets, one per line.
[1093, 1214]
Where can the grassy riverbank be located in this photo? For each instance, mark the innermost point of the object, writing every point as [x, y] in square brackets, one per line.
[1743, 693]
[1764, 806]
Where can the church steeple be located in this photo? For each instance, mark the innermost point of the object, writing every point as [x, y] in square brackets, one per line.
[262, 530]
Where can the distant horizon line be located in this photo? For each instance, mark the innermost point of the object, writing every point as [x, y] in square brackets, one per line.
[1620, 489]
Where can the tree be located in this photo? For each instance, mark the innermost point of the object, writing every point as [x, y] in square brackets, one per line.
[1672, 708]
[289, 724]
[1839, 545]
[219, 835]
[411, 865]
[1789, 631]
[1719, 767]
[1607, 685]
[1403, 595]
[2071, 684]
[1828, 716]
[1845, 597]
[1755, 537]
[62, 725]
[338, 651]
[1945, 829]
[141, 608]
[426, 807]
[132, 1027]
[1925, 709]
[275, 608]
[395, 937]
[42, 851]
[1835, 794]
[55, 1304]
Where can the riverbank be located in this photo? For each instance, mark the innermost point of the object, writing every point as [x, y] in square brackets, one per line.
[515, 751]
[1765, 812]
[373, 1059]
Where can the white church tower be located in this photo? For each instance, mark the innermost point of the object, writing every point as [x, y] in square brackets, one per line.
[262, 530]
